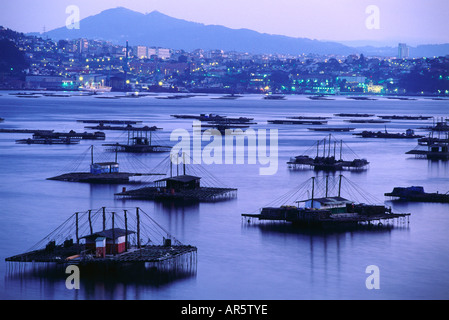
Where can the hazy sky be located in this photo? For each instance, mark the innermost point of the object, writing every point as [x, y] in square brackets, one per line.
[414, 22]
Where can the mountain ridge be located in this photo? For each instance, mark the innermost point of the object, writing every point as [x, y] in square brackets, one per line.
[156, 29]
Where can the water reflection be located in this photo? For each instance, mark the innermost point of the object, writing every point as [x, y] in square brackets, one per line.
[322, 255]
[117, 282]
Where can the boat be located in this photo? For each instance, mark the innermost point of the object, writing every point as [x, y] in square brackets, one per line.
[417, 194]
[95, 88]
[274, 97]
[361, 98]
[324, 211]
[319, 97]
[328, 161]
[409, 134]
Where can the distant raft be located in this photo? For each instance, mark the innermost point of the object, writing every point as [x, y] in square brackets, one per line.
[417, 194]
[140, 140]
[107, 172]
[433, 151]
[326, 159]
[409, 134]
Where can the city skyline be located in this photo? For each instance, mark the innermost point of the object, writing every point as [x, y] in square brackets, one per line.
[379, 23]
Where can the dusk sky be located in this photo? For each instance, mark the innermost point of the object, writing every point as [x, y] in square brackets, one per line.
[414, 22]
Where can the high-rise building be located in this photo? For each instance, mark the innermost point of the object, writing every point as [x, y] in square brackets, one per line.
[142, 52]
[152, 52]
[163, 53]
[403, 51]
[83, 45]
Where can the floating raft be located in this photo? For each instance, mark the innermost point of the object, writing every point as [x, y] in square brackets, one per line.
[361, 98]
[317, 122]
[439, 126]
[326, 211]
[351, 215]
[228, 97]
[274, 97]
[201, 194]
[182, 186]
[108, 178]
[26, 131]
[417, 194]
[409, 134]
[326, 159]
[67, 140]
[425, 141]
[213, 118]
[319, 98]
[406, 117]
[400, 98]
[220, 127]
[132, 238]
[335, 129]
[362, 115]
[42, 134]
[436, 151]
[308, 118]
[128, 127]
[98, 135]
[110, 121]
[367, 121]
[139, 141]
[101, 172]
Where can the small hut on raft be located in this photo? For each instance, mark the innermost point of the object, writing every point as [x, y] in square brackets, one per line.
[197, 185]
[111, 239]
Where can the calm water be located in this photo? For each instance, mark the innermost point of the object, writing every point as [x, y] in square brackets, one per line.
[236, 260]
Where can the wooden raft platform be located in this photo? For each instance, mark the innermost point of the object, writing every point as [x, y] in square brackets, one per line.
[118, 177]
[122, 245]
[203, 194]
[61, 254]
[314, 217]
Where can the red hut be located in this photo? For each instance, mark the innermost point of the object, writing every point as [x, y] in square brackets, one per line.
[111, 241]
